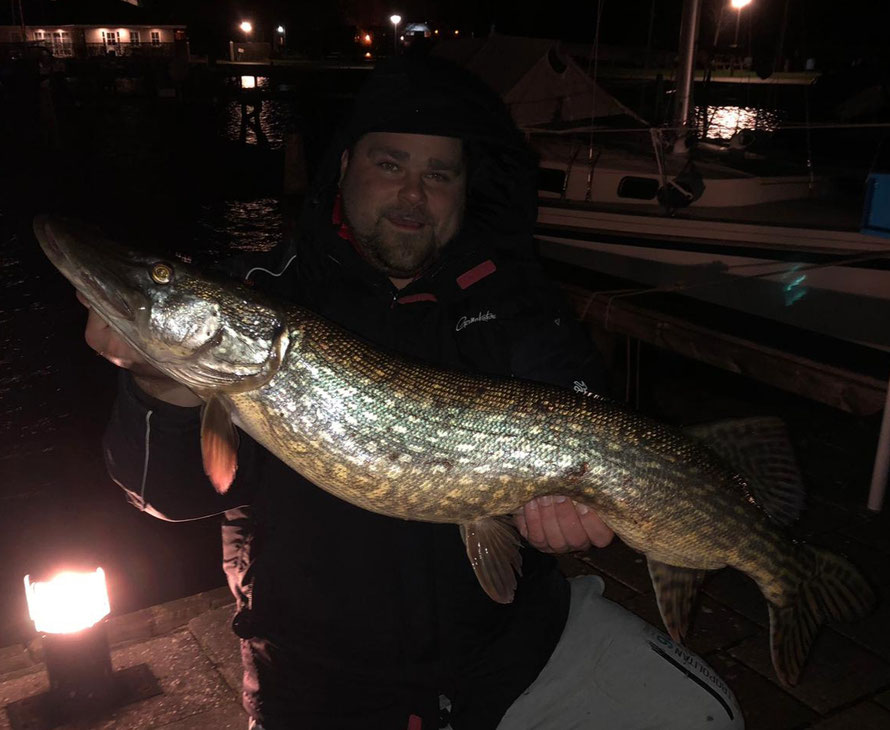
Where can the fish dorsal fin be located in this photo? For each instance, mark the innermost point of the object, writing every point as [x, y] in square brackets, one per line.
[219, 444]
[493, 550]
[760, 450]
[675, 590]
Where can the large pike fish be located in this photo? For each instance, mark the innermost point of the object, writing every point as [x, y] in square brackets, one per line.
[418, 443]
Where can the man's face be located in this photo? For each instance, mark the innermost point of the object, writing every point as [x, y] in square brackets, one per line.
[403, 197]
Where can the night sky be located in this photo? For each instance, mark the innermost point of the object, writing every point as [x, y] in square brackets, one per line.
[836, 33]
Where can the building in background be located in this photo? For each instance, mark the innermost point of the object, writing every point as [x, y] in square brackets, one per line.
[107, 28]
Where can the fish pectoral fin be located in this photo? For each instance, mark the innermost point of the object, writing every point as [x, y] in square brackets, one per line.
[675, 590]
[761, 451]
[219, 444]
[493, 549]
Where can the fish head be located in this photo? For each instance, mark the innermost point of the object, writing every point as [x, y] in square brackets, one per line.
[207, 333]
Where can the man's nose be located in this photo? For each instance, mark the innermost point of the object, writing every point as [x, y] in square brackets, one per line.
[412, 190]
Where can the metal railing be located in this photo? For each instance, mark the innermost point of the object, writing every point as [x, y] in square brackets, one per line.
[130, 50]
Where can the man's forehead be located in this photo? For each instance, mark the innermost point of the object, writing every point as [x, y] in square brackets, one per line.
[414, 145]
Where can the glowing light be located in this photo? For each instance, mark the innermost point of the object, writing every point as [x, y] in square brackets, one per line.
[457, 32]
[436, 32]
[246, 26]
[395, 19]
[367, 38]
[368, 55]
[739, 4]
[67, 603]
[795, 289]
[725, 121]
[248, 82]
[280, 29]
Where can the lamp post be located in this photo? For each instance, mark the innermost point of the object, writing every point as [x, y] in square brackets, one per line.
[738, 5]
[246, 27]
[395, 20]
[282, 37]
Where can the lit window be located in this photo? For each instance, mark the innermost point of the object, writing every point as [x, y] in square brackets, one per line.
[134, 37]
[61, 43]
[156, 37]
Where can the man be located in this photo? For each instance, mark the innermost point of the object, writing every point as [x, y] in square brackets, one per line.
[418, 239]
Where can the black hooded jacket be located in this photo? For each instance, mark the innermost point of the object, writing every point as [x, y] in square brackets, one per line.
[352, 619]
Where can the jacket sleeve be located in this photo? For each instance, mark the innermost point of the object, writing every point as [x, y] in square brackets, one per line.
[152, 450]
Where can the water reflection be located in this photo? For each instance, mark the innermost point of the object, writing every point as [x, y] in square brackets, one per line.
[274, 115]
[721, 122]
[225, 227]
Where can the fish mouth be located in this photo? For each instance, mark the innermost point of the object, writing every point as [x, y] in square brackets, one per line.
[93, 268]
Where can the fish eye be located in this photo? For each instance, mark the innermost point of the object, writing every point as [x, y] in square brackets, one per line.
[162, 273]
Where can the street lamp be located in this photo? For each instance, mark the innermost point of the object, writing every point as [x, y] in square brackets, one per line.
[246, 26]
[395, 20]
[738, 5]
[282, 36]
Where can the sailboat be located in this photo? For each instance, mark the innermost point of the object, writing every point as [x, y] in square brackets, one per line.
[671, 225]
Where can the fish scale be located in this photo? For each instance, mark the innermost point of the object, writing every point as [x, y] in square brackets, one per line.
[414, 442]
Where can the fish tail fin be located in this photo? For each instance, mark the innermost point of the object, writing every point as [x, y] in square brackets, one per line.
[834, 590]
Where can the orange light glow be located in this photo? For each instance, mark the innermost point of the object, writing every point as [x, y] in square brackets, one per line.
[368, 54]
[367, 38]
[248, 82]
[457, 32]
[68, 602]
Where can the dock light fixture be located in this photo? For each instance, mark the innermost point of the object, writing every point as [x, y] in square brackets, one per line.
[395, 20]
[69, 612]
[68, 603]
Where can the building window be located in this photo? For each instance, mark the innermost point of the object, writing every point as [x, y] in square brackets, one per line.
[39, 35]
[156, 37]
[61, 43]
[134, 37]
[110, 37]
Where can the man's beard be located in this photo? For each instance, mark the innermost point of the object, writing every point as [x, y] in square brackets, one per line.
[400, 254]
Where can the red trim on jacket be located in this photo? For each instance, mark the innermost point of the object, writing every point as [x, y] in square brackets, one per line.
[343, 229]
[476, 274]
[411, 298]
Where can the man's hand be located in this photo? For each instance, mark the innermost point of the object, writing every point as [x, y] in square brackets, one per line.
[110, 345]
[559, 525]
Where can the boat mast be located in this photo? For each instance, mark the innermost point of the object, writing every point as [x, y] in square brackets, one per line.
[685, 70]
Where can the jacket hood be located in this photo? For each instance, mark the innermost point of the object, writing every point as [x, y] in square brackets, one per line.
[434, 96]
